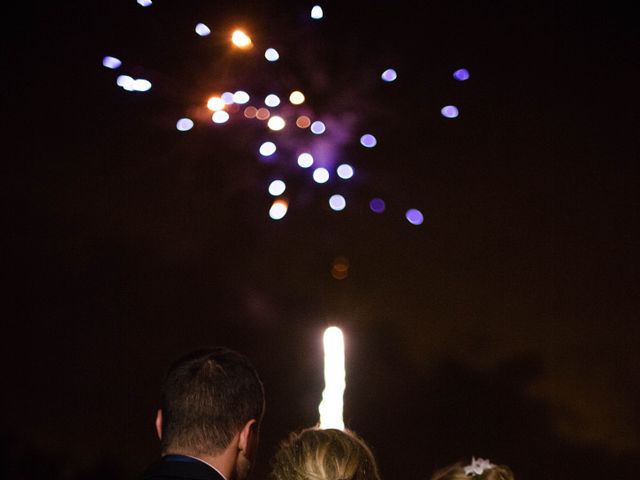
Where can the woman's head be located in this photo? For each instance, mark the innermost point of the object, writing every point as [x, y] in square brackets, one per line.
[315, 454]
[479, 469]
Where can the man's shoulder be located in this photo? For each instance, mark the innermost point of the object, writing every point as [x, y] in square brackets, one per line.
[185, 470]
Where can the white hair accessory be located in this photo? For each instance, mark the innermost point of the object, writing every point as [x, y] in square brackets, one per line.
[477, 466]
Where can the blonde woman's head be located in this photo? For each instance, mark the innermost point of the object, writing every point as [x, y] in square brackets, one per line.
[315, 454]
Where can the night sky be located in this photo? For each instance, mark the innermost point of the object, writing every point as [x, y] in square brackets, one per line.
[505, 326]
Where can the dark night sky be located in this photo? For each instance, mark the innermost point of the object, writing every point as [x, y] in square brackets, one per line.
[505, 326]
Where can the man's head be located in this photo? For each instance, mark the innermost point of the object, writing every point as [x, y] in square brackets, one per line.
[209, 398]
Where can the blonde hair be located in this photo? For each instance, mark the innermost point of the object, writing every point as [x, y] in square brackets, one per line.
[456, 472]
[315, 454]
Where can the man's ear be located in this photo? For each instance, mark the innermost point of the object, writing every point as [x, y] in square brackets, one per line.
[159, 424]
[248, 440]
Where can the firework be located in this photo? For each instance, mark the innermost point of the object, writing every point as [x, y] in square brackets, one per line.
[291, 136]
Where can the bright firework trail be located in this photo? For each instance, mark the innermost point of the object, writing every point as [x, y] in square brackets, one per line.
[291, 135]
[331, 406]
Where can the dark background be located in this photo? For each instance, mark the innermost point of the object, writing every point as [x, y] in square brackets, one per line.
[503, 327]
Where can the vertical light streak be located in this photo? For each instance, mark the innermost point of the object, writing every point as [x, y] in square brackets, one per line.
[331, 406]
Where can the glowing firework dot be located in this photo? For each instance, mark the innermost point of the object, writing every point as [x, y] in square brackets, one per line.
[281, 113]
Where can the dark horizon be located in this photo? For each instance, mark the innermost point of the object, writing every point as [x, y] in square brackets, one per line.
[505, 326]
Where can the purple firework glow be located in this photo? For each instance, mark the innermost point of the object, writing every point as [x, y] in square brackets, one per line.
[293, 135]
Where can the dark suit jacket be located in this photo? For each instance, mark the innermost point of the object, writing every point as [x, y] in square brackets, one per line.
[180, 468]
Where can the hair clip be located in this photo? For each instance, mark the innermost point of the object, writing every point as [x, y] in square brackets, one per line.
[477, 466]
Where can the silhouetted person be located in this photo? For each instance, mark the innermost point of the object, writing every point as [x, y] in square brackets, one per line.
[209, 420]
[314, 454]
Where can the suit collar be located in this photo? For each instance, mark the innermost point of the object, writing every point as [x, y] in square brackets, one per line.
[182, 467]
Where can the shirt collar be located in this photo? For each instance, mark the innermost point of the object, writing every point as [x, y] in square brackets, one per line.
[207, 463]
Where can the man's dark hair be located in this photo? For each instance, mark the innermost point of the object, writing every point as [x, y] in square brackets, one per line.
[207, 397]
